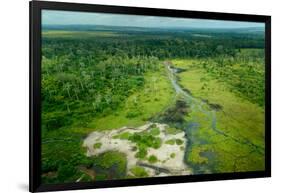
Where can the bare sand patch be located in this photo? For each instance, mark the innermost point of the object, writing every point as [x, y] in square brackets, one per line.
[170, 157]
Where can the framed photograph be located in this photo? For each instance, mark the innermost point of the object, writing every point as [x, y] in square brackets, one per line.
[126, 96]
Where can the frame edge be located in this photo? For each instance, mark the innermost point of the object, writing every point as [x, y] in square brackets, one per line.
[34, 100]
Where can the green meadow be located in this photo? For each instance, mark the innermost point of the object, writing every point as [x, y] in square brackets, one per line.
[237, 142]
[76, 34]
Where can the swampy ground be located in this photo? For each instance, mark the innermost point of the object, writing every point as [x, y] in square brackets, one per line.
[130, 104]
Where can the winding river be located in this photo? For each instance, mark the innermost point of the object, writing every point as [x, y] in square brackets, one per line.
[195, 105]
[179, 163]
[198, 105]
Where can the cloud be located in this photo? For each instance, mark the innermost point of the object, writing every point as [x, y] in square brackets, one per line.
[52, 17]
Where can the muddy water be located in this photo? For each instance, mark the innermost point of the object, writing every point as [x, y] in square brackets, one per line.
[194, 103]
[191, 127]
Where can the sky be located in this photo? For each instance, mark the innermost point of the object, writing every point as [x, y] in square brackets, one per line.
[52, 17]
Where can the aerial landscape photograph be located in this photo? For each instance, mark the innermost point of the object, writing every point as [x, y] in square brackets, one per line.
[131, 96]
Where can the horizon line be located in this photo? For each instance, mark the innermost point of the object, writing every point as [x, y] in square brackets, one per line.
[175, 27]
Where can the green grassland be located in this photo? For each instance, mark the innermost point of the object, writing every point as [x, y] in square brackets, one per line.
[156, 95]
[240, 121]
[77, 34]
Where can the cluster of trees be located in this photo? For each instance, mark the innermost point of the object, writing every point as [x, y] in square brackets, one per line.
[243, 73]
[84, 89]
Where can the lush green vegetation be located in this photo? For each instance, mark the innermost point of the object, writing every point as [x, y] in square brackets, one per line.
[97, 145]
[143, 140]
[152, 159]
[173, 155]
[239, 132]
[98, 80]
[139, 172]
[172, 130]
[174, 141]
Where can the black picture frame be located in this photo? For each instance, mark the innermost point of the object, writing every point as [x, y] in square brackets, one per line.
[35, 98]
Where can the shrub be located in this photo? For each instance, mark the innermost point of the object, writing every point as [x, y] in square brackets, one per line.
[139, 172]
[171, 142]
[179, 142]
[154, 131]
[143, 141]
[172, 130]
[132, 114]
[174, 141]
[152, 159]
[141, 153]
[65, 171]
[172, 155]
[125, 135]
[97, 145]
